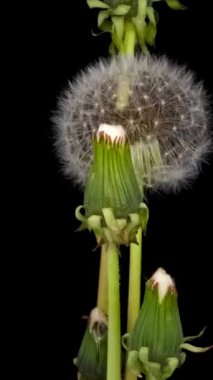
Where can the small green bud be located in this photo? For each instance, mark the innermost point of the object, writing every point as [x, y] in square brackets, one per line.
[156, 342]
[158, 326]
[92, 357]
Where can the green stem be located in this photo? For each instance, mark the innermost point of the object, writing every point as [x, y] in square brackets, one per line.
[134, 295]
[102, 298]
[127, 48]
[122, 92]
[129, 41]
[114, 330]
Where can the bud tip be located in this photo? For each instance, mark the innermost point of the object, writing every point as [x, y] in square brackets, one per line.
[163, 281]
[115, 132]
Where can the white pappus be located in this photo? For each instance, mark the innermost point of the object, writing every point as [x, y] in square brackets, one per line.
[165, 115]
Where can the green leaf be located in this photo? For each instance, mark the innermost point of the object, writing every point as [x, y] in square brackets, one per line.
[151, 31]
[115, 3]
[79, 216]
[97, 4]
[118, 29]
[140, 25]
[142, 6]
[189, 338]
[103, 15]
[175, 4]
[144, 212]
[182, 358]
[124, 341]
[140, 29]
[151, 15]
[112, 49]
[190, 347]
[134, 8]
[110, 219]
[169, 368]
[144, 354]
[134, 363]
[121, 10]
[106, 26]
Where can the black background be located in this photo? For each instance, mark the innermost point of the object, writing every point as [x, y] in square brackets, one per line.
[61, 264]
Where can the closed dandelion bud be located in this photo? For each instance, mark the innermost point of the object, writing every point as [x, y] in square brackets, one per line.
[159, 105]
[156, 342]
[112, 182]
[92, 357]
[112, 197]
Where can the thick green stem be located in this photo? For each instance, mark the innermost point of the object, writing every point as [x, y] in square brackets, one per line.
[135, 268]
[114, 330]
[127, 48]
[102, 298]
[134, 295]
[122, 92]
[129, 38]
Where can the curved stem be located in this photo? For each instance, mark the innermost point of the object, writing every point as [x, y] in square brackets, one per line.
[102, 298]
[134, 296]
[114, 330]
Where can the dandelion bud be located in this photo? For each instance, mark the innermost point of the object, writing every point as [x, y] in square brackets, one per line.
[112, 182]
[156, 342]
[112, 197]
[92, 357]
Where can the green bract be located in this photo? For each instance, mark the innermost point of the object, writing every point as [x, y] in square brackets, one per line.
[130, 22]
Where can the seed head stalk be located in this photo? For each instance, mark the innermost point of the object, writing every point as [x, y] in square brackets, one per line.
[102, 298]
[135, 261]
[114, 329]
[134, 292]
[134, 281]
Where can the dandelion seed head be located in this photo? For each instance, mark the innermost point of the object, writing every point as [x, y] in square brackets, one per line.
[166, 103]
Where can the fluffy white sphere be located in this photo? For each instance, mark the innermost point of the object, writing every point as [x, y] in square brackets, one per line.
[165, 107]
